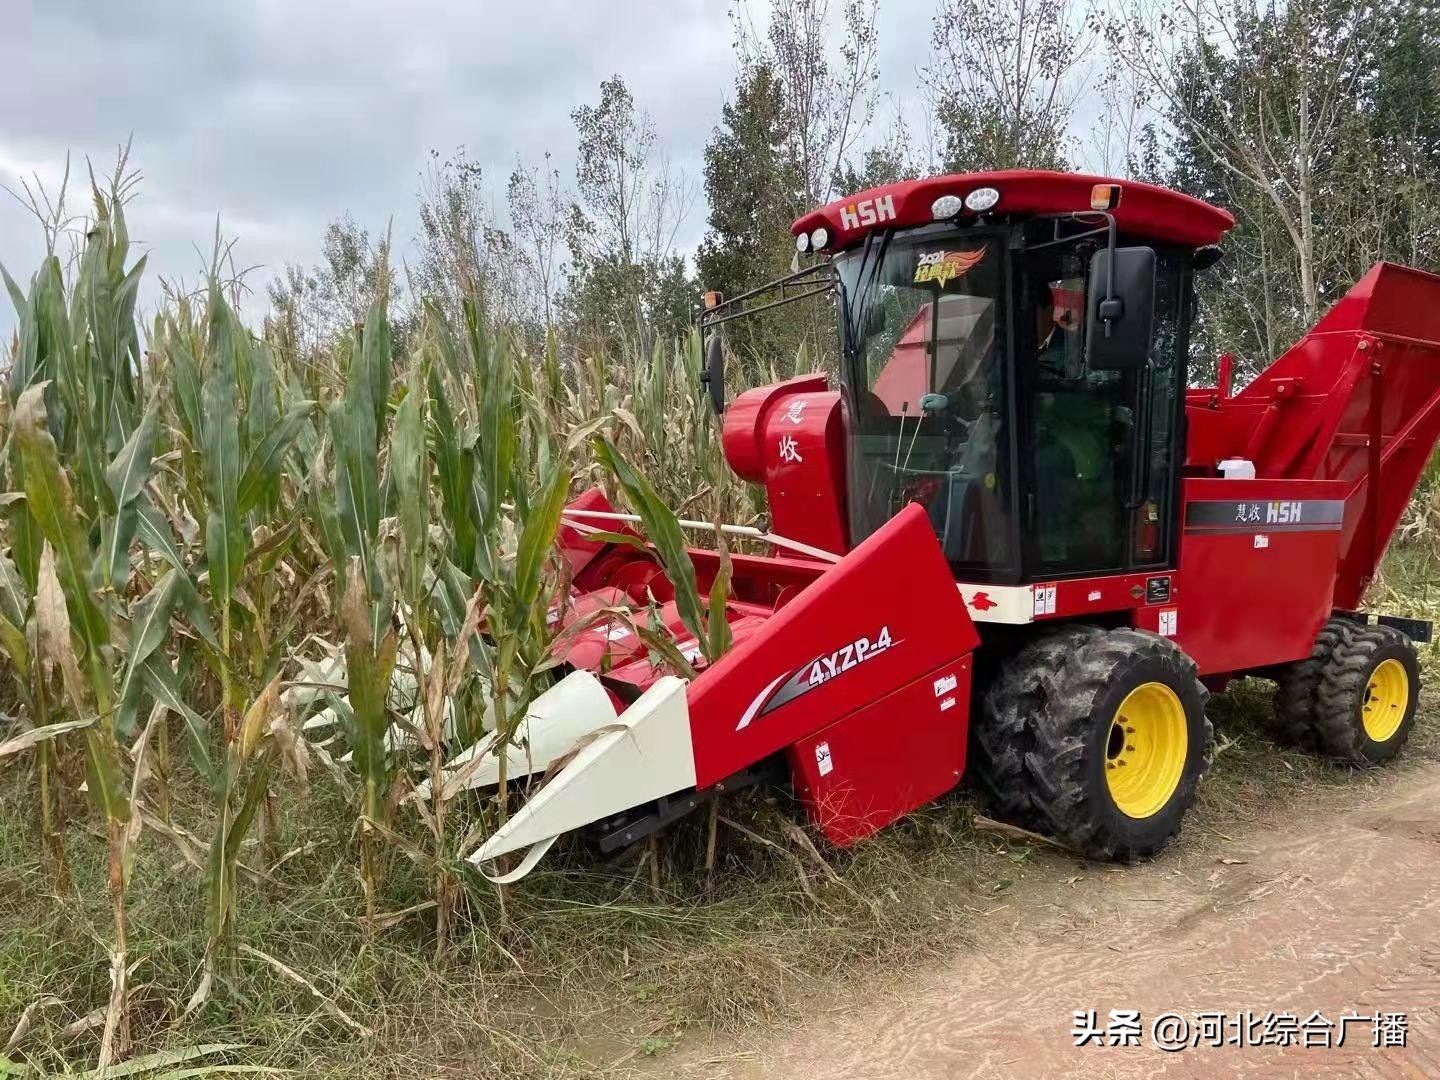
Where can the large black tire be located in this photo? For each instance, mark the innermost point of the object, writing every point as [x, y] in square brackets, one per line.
[1074, 754]
[1365, 704]
[1297, 688]
[1000, 734]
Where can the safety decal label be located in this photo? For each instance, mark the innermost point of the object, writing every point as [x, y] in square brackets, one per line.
[1045, 599]
[823, 761]
[1169, 621]
[945, 684]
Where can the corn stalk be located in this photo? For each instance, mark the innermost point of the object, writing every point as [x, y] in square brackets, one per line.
[66, 609]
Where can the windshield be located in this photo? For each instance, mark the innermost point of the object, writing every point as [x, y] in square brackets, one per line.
[926, 371]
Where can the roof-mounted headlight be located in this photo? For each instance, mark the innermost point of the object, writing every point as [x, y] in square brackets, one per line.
[982, 199]
[802, 243]
[819, 238]
[945, 207]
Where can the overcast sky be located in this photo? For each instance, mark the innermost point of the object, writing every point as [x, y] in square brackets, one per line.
[280, 115]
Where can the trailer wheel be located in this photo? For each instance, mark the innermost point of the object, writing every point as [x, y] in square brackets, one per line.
[1000, 731]
[1121, 745]
[1297, 688]
[1365, 705]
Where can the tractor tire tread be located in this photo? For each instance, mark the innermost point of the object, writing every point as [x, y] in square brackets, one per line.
[1298, 687]
[1001, 734]
[1341, 695]
[1055, 763]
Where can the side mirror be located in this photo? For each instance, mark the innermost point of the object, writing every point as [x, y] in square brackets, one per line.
[1121, 314]
[713, 375]
[1207, 256]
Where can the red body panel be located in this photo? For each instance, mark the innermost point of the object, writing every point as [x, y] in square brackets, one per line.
[1255, 592]
[791, 438]
[1144, 209]
[896, 584]
[1357, 397]
[883, 760]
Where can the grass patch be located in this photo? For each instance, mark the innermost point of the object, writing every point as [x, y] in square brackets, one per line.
[596, 966]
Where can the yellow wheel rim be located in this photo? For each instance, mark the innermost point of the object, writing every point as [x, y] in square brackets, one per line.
[1386, 698]
[1145, 750]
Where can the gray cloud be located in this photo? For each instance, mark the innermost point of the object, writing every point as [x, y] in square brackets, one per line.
[279, 115]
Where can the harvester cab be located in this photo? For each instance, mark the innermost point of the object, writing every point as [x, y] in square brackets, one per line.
[1012, 541]
[1013, 361]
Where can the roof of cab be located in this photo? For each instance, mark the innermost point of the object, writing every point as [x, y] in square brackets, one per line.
[1144, 209]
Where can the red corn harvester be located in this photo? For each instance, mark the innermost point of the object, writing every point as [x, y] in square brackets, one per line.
[1012, 541]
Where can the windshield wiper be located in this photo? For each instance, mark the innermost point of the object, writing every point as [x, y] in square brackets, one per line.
[863, 285]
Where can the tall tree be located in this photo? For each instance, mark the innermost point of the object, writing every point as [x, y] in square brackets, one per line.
[1315, 121]
[463, 251]
[538, 216]
[827, 90]
[312, 307]
[628, 281]
[1004, 77]
[751, 185]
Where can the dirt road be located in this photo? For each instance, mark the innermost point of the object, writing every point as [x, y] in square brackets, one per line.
[1333, 906]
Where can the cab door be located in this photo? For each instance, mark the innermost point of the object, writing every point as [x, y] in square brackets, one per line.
[1098, 450]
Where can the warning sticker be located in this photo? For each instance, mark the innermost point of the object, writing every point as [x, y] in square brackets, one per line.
[1044, 599]
[1169, 620]
[822, 759]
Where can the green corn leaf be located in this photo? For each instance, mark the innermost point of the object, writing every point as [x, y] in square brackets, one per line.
[102, 773]
[410, 474]
[374, 358]
[187, 383]
[162, 685]
[662, 526]
[14, 594]
[26, 539]
[112, 561]
[126, 475]
[262, 410]
[154, 531]
[454, 470]
[48, 497]
[12, 641]
[719, 629]
[23, 356]
[262, 470]
[357, 481]
[536, 541]
[149, 623]
[497, 435]
[17, 295]
[95, 298]
[219, 872]
[224, 531]
[250, 805]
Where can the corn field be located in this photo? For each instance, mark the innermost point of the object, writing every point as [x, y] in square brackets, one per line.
[228, 565]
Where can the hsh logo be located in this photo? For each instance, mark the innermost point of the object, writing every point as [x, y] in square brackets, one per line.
[867, 212]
